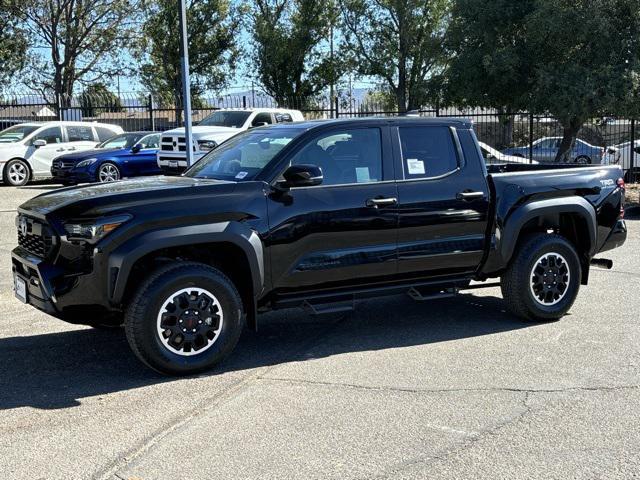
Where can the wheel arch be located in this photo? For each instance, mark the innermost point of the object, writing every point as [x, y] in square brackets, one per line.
[232, 247]
[572, 217]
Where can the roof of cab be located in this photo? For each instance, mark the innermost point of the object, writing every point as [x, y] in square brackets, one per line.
[460, 123]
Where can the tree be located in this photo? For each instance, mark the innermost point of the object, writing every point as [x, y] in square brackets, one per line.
[82, 40]
[97, 98]
[586, 60]
[490, 62]
[13, 44]
[213, 31]
[398, 41]
[287, 58]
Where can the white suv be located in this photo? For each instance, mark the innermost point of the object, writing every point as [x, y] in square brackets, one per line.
[28, 150]
[215, 129]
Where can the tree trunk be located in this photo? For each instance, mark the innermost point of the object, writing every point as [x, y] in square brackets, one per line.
[570, 133]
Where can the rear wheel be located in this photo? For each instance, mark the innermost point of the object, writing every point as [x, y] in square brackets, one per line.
[16, 173]
[543, 279]
[184, 319]
[583, 160]
[108, 172]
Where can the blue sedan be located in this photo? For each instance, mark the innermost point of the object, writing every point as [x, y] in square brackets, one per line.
[127, 155]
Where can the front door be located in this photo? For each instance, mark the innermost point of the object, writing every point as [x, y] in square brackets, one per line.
[443, 201]
[342, 232]
[41, 158]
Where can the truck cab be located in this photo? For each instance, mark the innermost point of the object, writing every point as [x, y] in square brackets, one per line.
[213, 130]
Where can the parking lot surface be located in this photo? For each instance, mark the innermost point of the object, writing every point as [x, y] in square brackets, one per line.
[455, 388]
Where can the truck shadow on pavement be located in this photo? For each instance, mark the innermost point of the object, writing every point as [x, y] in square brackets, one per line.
[55, 370]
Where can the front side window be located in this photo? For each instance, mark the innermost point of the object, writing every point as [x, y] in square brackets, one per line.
[427, 152]
[49, 135]
[242, 157]
[17, 133]
[79, 134]
[345, 156]
[261, 119]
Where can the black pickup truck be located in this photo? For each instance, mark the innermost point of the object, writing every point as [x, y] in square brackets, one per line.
[313, 214]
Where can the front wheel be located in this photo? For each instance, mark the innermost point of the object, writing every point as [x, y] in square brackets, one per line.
[17, 173]
[108, 172]
[184, 319]
[543, 279]
[583, 160]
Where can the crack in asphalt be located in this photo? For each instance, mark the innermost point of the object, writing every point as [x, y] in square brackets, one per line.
[450, 390]
[110, 471]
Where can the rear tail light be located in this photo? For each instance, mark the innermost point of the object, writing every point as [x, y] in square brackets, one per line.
[621, 186]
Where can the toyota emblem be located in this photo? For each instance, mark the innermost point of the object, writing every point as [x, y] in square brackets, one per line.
[23, 226]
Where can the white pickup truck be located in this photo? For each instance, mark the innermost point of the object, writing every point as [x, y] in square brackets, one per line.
[213, 130]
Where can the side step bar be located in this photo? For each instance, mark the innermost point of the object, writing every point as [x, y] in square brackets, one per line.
[421, 295]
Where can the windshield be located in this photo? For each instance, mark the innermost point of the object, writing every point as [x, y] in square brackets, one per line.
[225, 119]
[17, 133]
[126, 140]
[242, 157]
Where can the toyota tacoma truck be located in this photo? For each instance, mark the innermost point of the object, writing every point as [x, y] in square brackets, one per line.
[315, 215]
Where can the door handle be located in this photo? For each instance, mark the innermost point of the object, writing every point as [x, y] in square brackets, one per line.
[60, 150]
[467, 196]
[381, 202]
[72, 149]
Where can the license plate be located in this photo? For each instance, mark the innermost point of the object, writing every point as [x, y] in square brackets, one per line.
[173, 163]
[21, 289]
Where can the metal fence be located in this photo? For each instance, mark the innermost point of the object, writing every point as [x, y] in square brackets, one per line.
[521, 134]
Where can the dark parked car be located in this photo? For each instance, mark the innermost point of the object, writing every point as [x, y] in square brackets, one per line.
[314, 214]
[127, 155]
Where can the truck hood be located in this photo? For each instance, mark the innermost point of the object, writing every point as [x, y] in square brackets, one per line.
[101, 198]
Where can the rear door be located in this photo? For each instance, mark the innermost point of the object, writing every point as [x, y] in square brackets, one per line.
[343, 232]
[443, 200]
[79, 138]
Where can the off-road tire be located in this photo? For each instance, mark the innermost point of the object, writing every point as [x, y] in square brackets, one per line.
[517, 283]
[142, 313]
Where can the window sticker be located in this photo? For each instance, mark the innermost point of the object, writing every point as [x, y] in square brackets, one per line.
[415, 166]
[241, 175]
[362, 175]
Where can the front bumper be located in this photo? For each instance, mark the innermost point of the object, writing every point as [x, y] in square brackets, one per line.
[174, 163]
[75, 298]
[71, 176]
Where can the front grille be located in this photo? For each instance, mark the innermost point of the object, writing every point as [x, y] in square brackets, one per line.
[35, 237]
[173, 144]
[63, 165]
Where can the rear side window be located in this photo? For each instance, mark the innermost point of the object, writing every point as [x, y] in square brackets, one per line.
[283, 117]
[427, 152]
[79, 134]
[104, 133]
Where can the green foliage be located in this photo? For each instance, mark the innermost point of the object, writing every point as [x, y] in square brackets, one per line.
[97, 99]
[79, 40]
[400, 42]
[13, 43]
[213, 30]
[287, 36]
[490, 62]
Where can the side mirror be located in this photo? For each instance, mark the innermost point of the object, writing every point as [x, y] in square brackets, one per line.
[40, 142]
[260, 124]
[136, 148]
[302, 176]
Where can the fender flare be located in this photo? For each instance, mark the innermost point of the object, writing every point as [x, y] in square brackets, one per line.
[123, 258]
[554, 206]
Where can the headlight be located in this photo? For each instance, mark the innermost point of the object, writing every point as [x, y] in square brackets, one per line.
[206, 145]
[94, 230]
[87, 162]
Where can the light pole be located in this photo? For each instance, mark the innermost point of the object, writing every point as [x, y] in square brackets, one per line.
[186, 83]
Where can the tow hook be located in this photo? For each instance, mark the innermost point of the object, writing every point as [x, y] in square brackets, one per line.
[602, 263]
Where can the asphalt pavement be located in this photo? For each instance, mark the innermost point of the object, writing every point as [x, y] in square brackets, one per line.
[454, 388]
